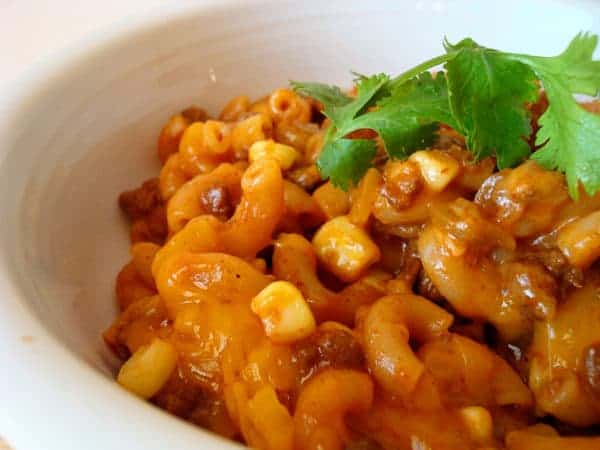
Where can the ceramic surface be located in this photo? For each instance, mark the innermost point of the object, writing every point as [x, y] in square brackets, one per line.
[80, 128]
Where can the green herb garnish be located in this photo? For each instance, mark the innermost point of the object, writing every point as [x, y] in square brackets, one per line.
[482, 94]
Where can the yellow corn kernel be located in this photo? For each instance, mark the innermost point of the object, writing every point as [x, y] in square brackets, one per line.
[345, 249]
[148, 369]
[478, 422]
[285, 155]
[438, 169]
[284, 313]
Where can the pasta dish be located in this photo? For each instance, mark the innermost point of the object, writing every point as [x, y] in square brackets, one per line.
[436, 300]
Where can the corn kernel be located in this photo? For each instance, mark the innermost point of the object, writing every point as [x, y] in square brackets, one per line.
[285, 155]
[148, 369]
[284, 313]
[345, 249]
[438, 169]
[478, 422]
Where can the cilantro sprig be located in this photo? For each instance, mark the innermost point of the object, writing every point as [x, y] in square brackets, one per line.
[482, 93]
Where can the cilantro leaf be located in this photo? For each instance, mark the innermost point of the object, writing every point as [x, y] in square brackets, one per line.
[488, 92]
[329, 96]
[483, 95]
[339, 107]
[574, 67]
[569, 134]
[573, 140]
[407, 119]
[345, 161]
[366, 89]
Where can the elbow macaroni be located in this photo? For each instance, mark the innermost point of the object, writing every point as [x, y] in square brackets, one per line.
[269, 306]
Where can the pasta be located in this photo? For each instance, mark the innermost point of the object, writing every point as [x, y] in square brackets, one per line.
[437, 304]
[386, 330]
[203, 146]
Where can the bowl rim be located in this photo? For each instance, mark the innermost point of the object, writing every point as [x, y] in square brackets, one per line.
[18, 321]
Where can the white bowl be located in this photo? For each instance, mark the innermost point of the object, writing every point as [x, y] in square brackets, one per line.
[82, 127]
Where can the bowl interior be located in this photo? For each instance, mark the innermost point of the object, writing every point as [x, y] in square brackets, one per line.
[83, 129]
